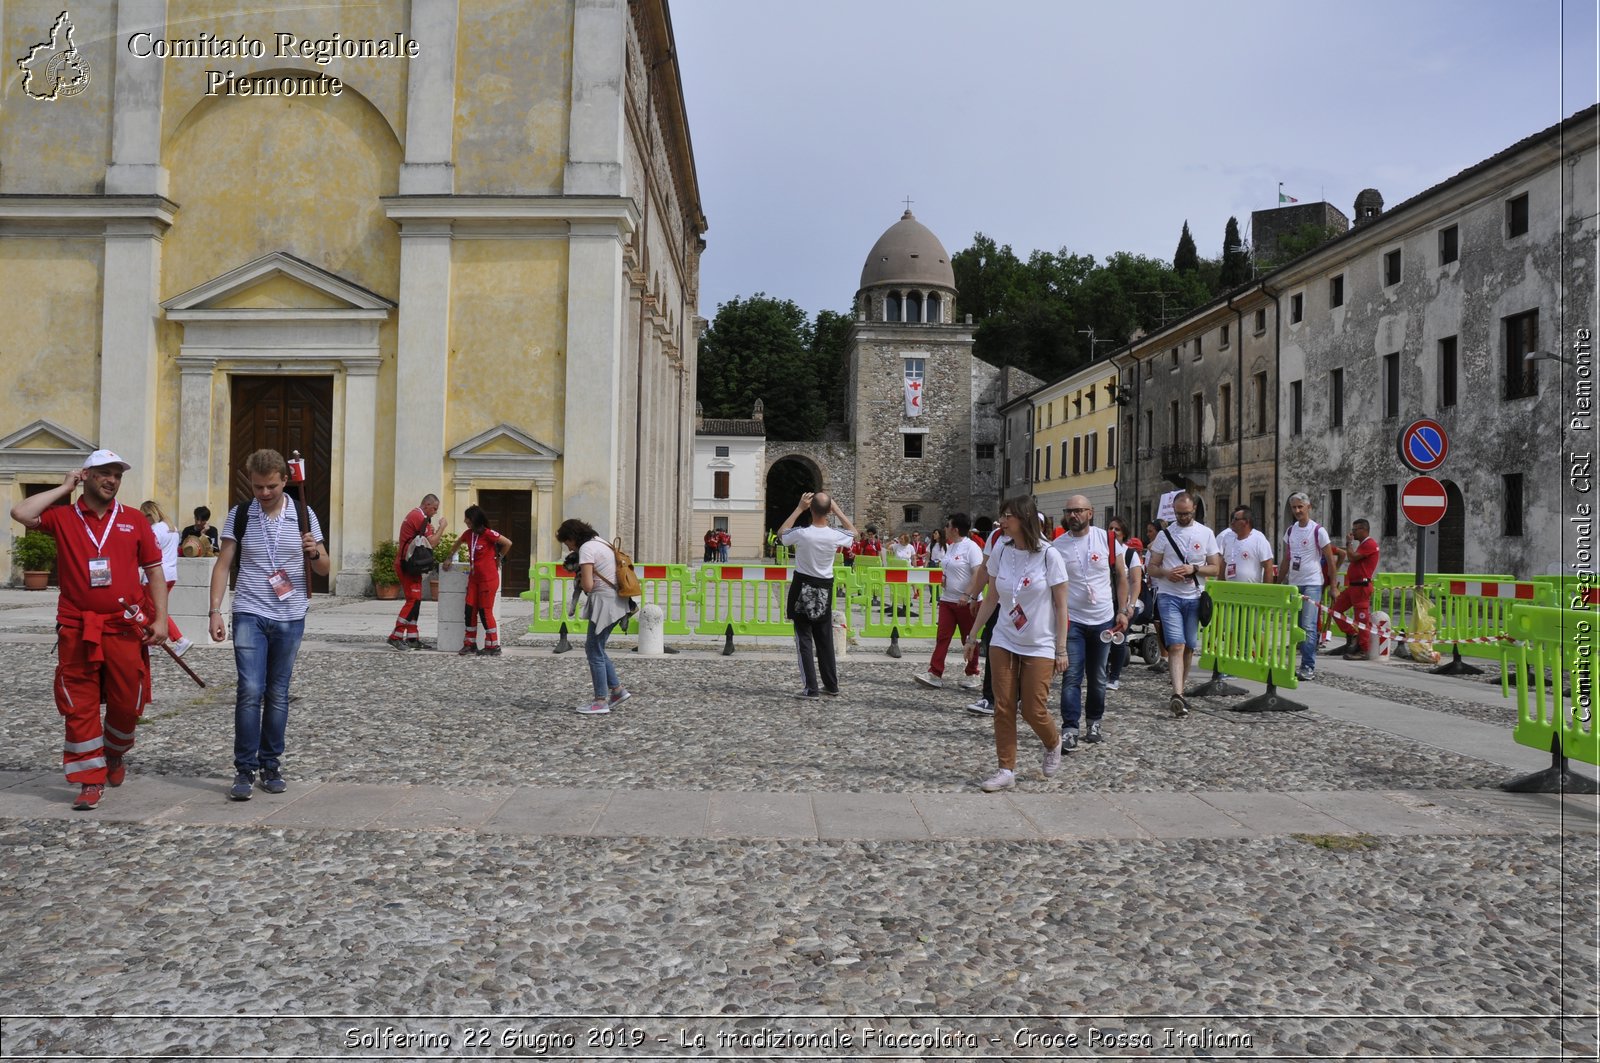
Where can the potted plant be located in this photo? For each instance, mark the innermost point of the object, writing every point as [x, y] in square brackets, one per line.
[445, 552]
[385, 584]
[35, 554]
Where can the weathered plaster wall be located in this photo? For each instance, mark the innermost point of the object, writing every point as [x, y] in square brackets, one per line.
[513, 96]
[67, 139]
[51, 354]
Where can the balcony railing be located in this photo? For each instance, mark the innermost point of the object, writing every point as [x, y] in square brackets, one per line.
[1178, 458]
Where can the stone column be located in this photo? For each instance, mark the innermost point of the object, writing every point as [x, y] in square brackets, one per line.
[197, 375]
[356, 539]
[594, 360]
[130, 307]
[136, 113]
[431, 100]
[595, 121]
[545, 522]
[422, 363]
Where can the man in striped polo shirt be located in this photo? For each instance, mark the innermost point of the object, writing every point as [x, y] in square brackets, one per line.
[277, 547]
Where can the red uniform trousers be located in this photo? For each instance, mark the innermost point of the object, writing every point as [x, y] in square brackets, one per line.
[405, 625]
[99, 659]
[1359, 599]
[481, 593]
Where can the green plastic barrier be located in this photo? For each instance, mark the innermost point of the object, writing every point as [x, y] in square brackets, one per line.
[1253, 633]
[1550, 718]
[672, 587]
[748, 599]
[1392, 592]
[780, 555]
[550, 589]
[1473, 613]
[903, 600]
[1572, 592]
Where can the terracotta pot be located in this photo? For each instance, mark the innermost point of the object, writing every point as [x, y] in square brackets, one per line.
[36, 581]
[386, 592]
[432, 588]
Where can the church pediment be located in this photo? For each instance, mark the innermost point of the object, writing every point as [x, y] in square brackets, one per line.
[504, 453]
[278, 285]
[43, 447]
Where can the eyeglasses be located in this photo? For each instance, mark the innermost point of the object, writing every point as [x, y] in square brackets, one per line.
[1085, 509]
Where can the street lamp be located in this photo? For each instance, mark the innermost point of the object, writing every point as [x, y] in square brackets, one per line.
[1533, 356]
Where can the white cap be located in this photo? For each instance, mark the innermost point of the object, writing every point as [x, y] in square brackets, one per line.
[105, 457]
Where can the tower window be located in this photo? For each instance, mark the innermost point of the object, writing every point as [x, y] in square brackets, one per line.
[913, 444]
[913, 514]
[891, 307]
[914, 306]
[935, 309]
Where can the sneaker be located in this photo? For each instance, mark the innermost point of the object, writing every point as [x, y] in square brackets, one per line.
[1069, 738]
[1094, 734]
[807, 695]
[489, 651]
[116, 771]
[830, 693]
[971, 682]
[467, 651]
[1305, 675]
[1004, 779]
[1114, 684]
[618, 696]
[242, 786]
[594, 708]
[89, 796]
[1052, 757]
[181, 647]
[1179, 707]
[413, 644]
[929, 680]
[981, 707]
[272, 781]
[394, 643]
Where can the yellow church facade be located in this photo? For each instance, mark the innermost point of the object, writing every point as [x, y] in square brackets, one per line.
[438, 246]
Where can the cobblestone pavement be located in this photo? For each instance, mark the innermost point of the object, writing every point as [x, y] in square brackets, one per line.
[383, 943]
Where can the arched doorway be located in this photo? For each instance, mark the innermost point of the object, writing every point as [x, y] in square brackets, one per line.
[1453, 530]
[787, 480]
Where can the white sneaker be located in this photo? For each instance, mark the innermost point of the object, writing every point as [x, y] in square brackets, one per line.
[1004, 779]
[971, 682]
[1115, 684]
[181, 647]
[929, 680]
[594, 708]
[1052, 760]
[981, 707]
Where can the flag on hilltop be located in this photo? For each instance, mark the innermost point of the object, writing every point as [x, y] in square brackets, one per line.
[1282, 199]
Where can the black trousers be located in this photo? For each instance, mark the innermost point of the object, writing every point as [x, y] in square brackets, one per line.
[814, 638]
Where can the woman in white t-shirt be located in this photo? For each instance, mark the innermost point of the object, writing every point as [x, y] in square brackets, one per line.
[1028, 585]
[605, 610]
[959, 558]
[167, 540]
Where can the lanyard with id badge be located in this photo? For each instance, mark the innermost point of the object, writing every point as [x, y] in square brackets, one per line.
[278, 579]
[100, 564]
[1019, 617]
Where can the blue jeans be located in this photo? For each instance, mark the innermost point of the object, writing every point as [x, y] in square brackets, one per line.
[601, 671]
[1085, 652]
[1180, 620]
[1308, 624]
[263, 652]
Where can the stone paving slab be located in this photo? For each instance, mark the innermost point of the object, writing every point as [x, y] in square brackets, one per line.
[1088, 816]
[720, 815]
[756, 815]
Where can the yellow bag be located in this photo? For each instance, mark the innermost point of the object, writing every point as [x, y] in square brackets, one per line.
[1422, 631]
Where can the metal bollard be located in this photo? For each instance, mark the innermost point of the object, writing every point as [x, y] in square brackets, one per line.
[841, 635]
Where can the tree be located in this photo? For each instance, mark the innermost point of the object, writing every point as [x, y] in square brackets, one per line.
[830, 352]
[759, 348]
[1186, 259]
[1235, 259]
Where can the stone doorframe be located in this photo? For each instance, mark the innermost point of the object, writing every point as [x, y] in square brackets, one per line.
[340, 341]
[507, 458]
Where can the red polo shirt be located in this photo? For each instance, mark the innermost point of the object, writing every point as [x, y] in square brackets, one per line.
[129, 544]
[415, 524]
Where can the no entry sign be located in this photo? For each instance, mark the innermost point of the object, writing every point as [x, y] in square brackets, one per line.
[1422, 500]
[1423, 445]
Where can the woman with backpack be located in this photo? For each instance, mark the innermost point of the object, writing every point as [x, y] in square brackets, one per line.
[604, 608]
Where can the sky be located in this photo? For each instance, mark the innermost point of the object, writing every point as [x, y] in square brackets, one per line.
[1097, 128]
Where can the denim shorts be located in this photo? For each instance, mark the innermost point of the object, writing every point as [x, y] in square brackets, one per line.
[1179, 616]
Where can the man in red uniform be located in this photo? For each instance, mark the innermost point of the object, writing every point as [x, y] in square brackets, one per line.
[1361, 550]
[418, 522]
[485, 550]
[101, 657]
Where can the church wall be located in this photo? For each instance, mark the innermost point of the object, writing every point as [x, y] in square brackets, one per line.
[513, 96]
[51, 354]
[68, 139]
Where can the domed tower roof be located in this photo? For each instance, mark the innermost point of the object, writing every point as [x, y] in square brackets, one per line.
[908, 253]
